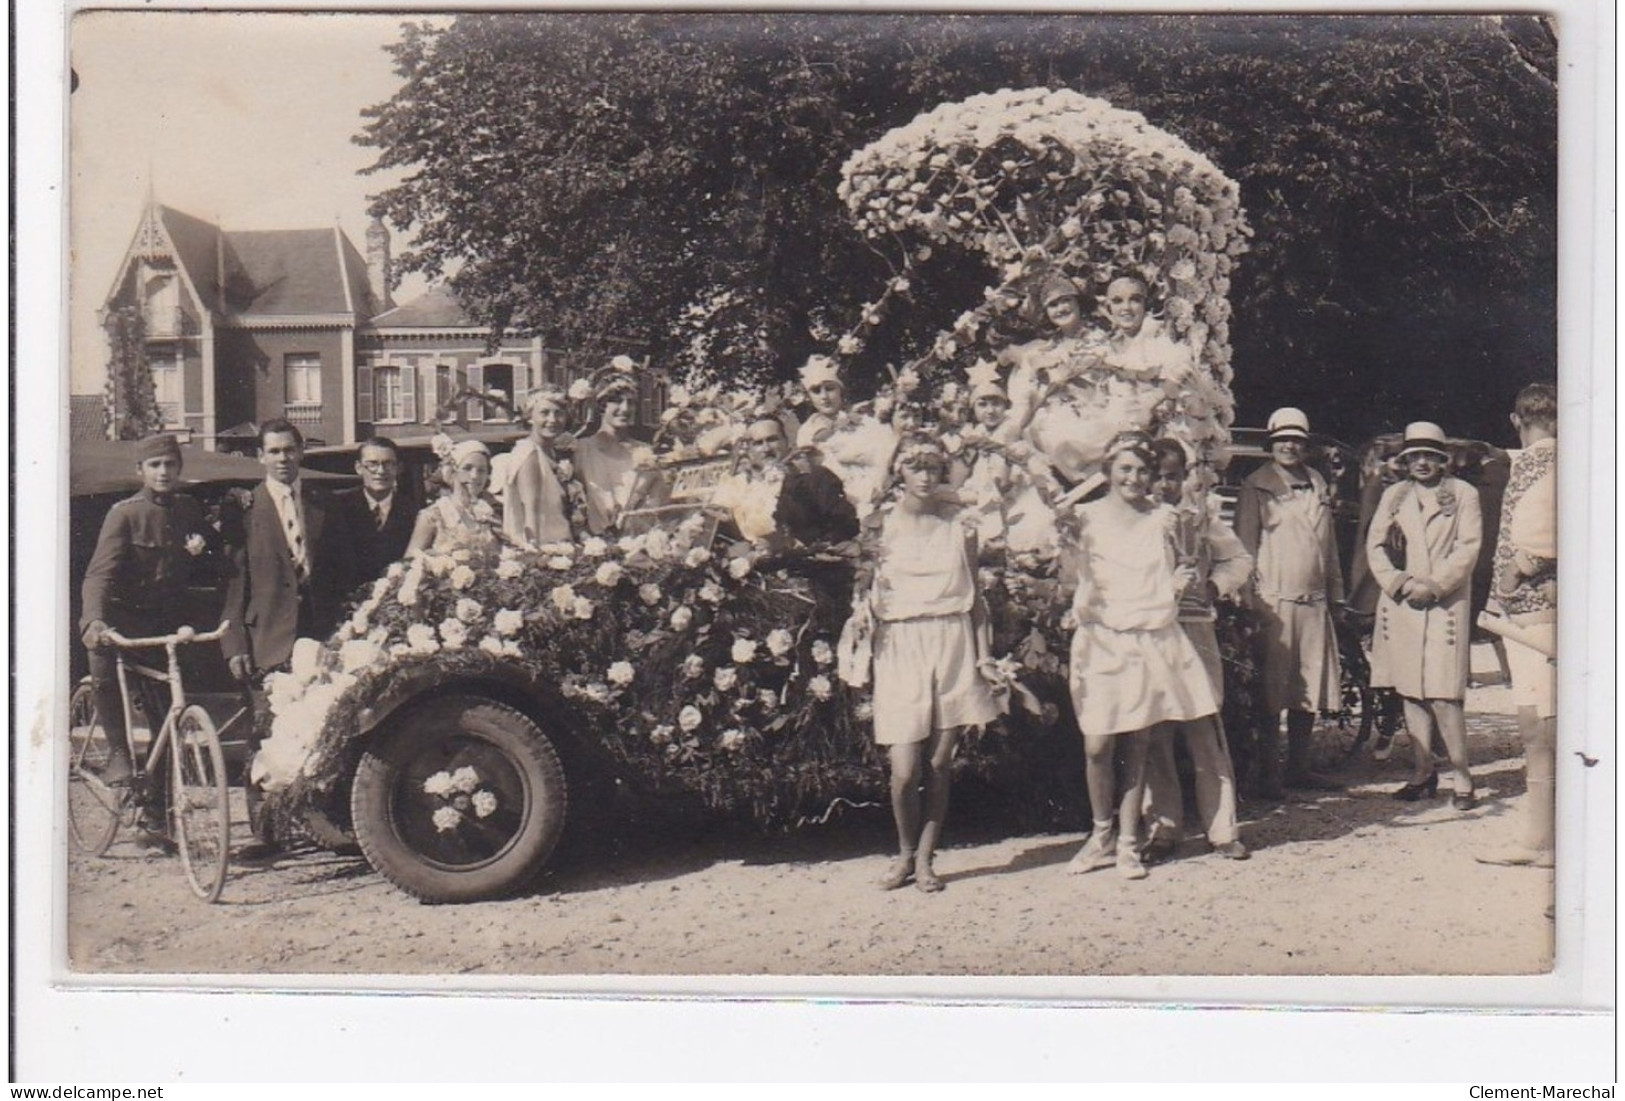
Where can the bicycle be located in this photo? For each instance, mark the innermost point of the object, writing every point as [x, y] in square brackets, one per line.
[198, 805]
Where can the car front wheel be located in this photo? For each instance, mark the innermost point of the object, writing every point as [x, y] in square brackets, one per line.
[458, 800]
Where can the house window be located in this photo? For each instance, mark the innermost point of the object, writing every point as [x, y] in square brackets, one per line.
[163, 306]
[394, 390]
[444, 387]
[302, 394]
[166, 387]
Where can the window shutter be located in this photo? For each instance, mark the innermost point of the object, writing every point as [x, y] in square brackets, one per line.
[409, 393]
[476, 381]
[363, 394]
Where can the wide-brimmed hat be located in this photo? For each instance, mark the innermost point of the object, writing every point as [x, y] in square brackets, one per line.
[1288, 423]
[1424, 436]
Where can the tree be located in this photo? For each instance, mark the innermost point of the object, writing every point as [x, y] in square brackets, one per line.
[130, 401]
[671, 179]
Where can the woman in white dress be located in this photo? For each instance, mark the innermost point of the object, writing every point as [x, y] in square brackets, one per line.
[1419, 644]
[463, 518]
[1132, 667]
[613, 465]
[534, 479]
[932, 663]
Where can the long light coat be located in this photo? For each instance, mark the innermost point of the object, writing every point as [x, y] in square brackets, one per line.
[1422, 653]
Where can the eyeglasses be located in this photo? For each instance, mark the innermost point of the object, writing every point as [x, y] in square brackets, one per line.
[377, 467]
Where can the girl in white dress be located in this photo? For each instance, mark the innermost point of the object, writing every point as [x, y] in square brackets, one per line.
[932, 664]
[1132, 667]
[463, 518]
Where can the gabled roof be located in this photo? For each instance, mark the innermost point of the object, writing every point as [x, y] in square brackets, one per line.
[435, 308]
[246, 274]
[282, 272]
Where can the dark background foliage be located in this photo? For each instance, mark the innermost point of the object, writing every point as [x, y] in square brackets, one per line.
[594, 176]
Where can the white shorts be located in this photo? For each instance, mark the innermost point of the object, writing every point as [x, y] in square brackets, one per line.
[926, 679]
[1534, 675]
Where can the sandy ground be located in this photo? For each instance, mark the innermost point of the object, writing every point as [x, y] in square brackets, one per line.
[1339, 884]
[1345, 883]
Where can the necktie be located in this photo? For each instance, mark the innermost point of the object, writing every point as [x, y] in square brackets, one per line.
[296, 537]
[378, 516]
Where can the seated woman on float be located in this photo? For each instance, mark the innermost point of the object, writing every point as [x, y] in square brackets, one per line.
[857, 449]
[542, 501]
[616, 469]
[465, 518]
[1011, 501]
[1072, 390]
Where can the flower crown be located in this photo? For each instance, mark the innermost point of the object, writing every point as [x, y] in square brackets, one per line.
[919, 451]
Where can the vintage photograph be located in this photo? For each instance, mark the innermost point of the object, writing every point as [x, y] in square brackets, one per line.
[653, 493]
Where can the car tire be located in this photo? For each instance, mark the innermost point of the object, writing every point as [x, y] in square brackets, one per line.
[459, 800]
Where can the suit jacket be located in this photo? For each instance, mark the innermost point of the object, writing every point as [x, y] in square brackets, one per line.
[267, 606]
[375, 547]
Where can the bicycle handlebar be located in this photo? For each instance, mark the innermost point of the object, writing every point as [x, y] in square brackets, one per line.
[183, 635]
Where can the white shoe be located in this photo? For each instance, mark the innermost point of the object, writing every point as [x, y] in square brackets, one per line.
[1097, 852]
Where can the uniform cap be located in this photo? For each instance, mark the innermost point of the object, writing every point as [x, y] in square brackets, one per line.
[158, 447]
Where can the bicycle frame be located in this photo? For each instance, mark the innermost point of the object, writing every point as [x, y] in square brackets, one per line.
[177, 703]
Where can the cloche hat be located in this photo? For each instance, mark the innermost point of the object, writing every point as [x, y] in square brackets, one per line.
[1424, 436]
[1288, 423]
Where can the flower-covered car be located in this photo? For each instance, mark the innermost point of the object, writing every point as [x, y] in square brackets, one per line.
[476, 702]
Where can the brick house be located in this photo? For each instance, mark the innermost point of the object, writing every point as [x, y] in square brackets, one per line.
[244, 326]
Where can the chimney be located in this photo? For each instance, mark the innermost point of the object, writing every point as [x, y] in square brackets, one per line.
[378, 267]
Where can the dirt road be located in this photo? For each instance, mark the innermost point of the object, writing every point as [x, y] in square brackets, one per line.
[1347, 883]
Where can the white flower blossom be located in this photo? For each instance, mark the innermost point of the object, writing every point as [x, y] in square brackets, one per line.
[508, 621]
[739, 568]
[711, 592]
[510, 568]
[822, 652]
[594, 547]
[725, 678]
[583, 608]
[563, 598]
[693, 667]
[689, 719]
[780, 642]
[195, 544]
[438, 784]
[820, 688]
[661, 734]
[580, 390]
[681, 617]
[598, 692]
[469, 610]
[731, 740]
[744, 650]
[491, 644]
[768, 698]
[649, 593]
[462, 577]
[485, 804]
[420, 637]
[447, 819]
[621, 674]
[453, 634]
[609, 574]
[696, 558]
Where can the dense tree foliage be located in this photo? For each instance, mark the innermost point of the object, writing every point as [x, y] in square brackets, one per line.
[671, 180]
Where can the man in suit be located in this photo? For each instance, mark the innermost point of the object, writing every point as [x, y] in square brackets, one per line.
[378, 516]
[290, 579]
[295, 568]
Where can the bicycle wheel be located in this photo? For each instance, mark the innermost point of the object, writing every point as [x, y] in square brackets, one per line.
[94, 809]
[200, 802]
